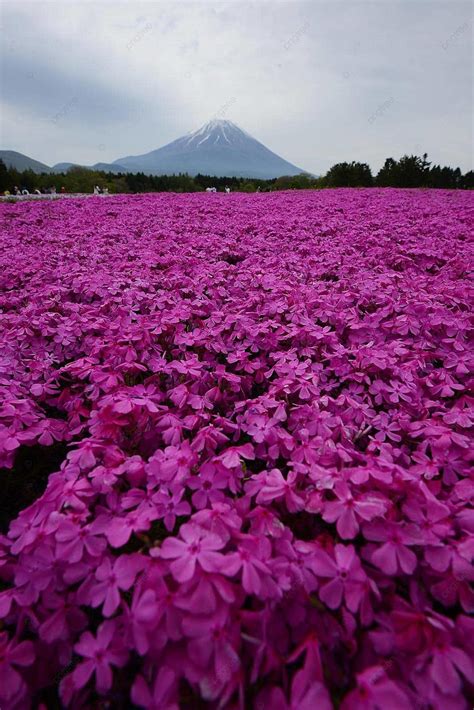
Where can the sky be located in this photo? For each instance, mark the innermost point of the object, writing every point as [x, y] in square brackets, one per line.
[317, 82]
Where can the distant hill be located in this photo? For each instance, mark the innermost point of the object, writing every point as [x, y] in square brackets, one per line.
[110, 167]
[106, 167]
[218, 148]
[21, 162]
[63, 167]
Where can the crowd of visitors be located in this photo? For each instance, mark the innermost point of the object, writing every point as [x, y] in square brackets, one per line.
[23, 191]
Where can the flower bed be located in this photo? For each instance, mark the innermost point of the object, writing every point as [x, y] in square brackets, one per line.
[235, 440]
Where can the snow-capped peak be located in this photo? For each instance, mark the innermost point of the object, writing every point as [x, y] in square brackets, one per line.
[216, 131]
[219, 147]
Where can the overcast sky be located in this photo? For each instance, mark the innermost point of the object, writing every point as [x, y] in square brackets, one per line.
[317, 82]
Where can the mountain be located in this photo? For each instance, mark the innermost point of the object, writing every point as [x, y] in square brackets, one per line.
[63, 167]
[110, 167]
[218, 148]
[105, 167]
[21, 162]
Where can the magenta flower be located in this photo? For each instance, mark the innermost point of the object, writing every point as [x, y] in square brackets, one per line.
[219, 518]
[265, 522]
[208, 439]
[449, 665]
[347, 577]
[231, 458]
[63, 616]
[246, 560]
[113, 577]
[387, 428]
[13, 655]
[303, 697]
[101, 653]
[170, 504]
[74, 541]
[218, 656]
[348, 510]
[276, 487]
[8, 441]
[162, 696]
[198, 546]
[118, 529]
[393, 555]
[376, 692]
[145, 614]
[174, 463]
[208, 486]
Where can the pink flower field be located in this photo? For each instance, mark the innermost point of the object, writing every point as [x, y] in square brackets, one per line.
[235, 449]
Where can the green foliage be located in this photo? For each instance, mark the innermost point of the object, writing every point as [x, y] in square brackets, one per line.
[349, 175]
[303, 181]
[415, 171]
[409, 171]
[467, 181]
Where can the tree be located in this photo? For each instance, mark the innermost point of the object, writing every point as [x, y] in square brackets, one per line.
[4, 177]
[409, 171]
[467, 181]
[349, 175]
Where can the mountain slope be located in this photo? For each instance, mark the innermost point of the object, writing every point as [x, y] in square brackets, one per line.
[64, 167]
[110, 167]
[105, 167]
[218, 148]
[21, 162]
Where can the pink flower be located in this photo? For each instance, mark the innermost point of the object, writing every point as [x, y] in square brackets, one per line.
[303, 697]
[170, 504]
[387, 428]
[208, 439]
[74, 541]
[213, 646]
[276, 487]
[13, 655]
[219, 518]
[100, 653]
[163, 693]
[112, 577]
[449, 664]
[230, 458]
[346, 573]
[393, 556]
[145, 614]
[208, 485]
[376, 692]
[118, 529]
[63, 616]
[85, 455]
[198, 546]
[174, 463]
[348, 509]
[8, 441]
[246, 559]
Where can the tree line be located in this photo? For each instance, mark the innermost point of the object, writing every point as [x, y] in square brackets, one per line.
[408, 171]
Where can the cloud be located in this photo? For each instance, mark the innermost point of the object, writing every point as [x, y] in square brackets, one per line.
[308, 79]
[46, 91]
